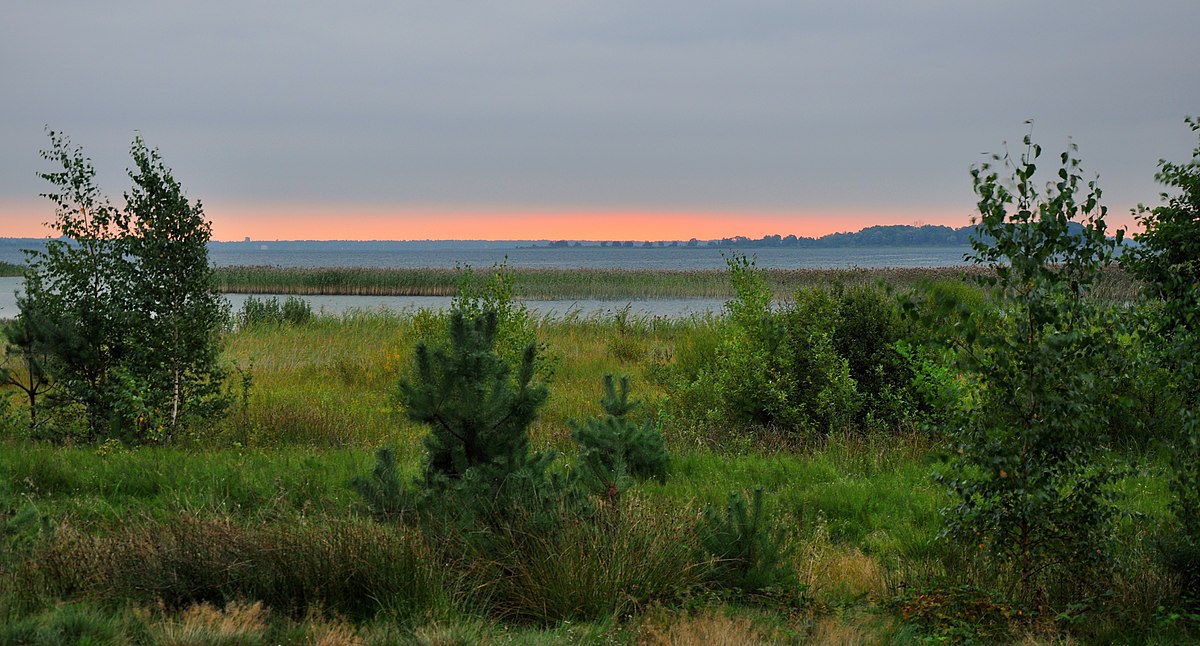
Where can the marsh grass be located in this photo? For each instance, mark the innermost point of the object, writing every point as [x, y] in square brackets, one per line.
[204, 624]
[354, 567]
[590, 569]
[258, 509]
[583, 283]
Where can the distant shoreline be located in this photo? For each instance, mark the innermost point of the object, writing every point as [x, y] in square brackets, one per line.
[880, 235]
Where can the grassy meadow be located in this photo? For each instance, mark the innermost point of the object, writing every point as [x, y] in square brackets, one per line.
[247, 532]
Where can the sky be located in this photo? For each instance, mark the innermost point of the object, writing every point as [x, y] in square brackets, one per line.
[604, 120]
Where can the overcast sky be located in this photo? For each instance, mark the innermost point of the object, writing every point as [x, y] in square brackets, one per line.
[812, 113]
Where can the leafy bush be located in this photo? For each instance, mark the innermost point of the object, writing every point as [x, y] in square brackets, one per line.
[515, 331]
[767, 368]
[1168, 260]
[869, 326]
[822, 394]
[827, 361]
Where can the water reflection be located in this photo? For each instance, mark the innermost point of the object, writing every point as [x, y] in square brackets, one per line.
[668, 308]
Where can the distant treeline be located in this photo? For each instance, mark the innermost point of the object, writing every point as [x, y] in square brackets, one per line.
[889, 235]
[895, 235]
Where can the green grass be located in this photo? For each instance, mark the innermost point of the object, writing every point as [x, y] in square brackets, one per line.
[177, 543]
[8, 269]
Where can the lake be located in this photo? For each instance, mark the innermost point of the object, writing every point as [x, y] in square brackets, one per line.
[669, 308]
[451, 254]
[671, 258]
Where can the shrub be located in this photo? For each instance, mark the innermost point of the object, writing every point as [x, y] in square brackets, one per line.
[1168, 260]
[868, 328]
[827, 361]
[822, 394]
[768, 368]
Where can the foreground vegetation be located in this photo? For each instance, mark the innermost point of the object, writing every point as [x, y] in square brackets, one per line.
[248, 532]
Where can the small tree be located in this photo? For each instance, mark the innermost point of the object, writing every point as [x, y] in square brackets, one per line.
[79, 282]
[614, 448]
[749, 554]
[1027, 483]
[122, 303]
[481, 482]
[179, 312]
[477, 411]
[26, 358]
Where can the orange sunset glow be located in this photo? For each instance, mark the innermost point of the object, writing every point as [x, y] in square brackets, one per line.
[267, 222]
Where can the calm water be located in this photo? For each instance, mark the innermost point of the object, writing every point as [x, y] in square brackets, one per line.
[670, 308]
[381, 254]
[678, 258]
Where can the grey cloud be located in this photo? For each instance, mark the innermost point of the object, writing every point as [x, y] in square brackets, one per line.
[757, 105]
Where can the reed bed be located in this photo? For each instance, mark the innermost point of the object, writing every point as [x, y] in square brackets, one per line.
[558, 284]
[358, 281]
[8, 269]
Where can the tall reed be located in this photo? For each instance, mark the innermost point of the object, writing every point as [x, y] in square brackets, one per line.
[554, 284]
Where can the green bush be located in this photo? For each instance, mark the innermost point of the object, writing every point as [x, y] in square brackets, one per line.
[769, 368]
[829, 360]
[1168, 260]
[869, 327]
[822, 394]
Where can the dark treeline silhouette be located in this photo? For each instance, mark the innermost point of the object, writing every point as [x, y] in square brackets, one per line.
[895, 235]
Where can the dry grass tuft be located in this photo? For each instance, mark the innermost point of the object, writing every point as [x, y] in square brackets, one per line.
[842, 631]
[711, 628]
[835, 573]
[238, 623]
[449, 634]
